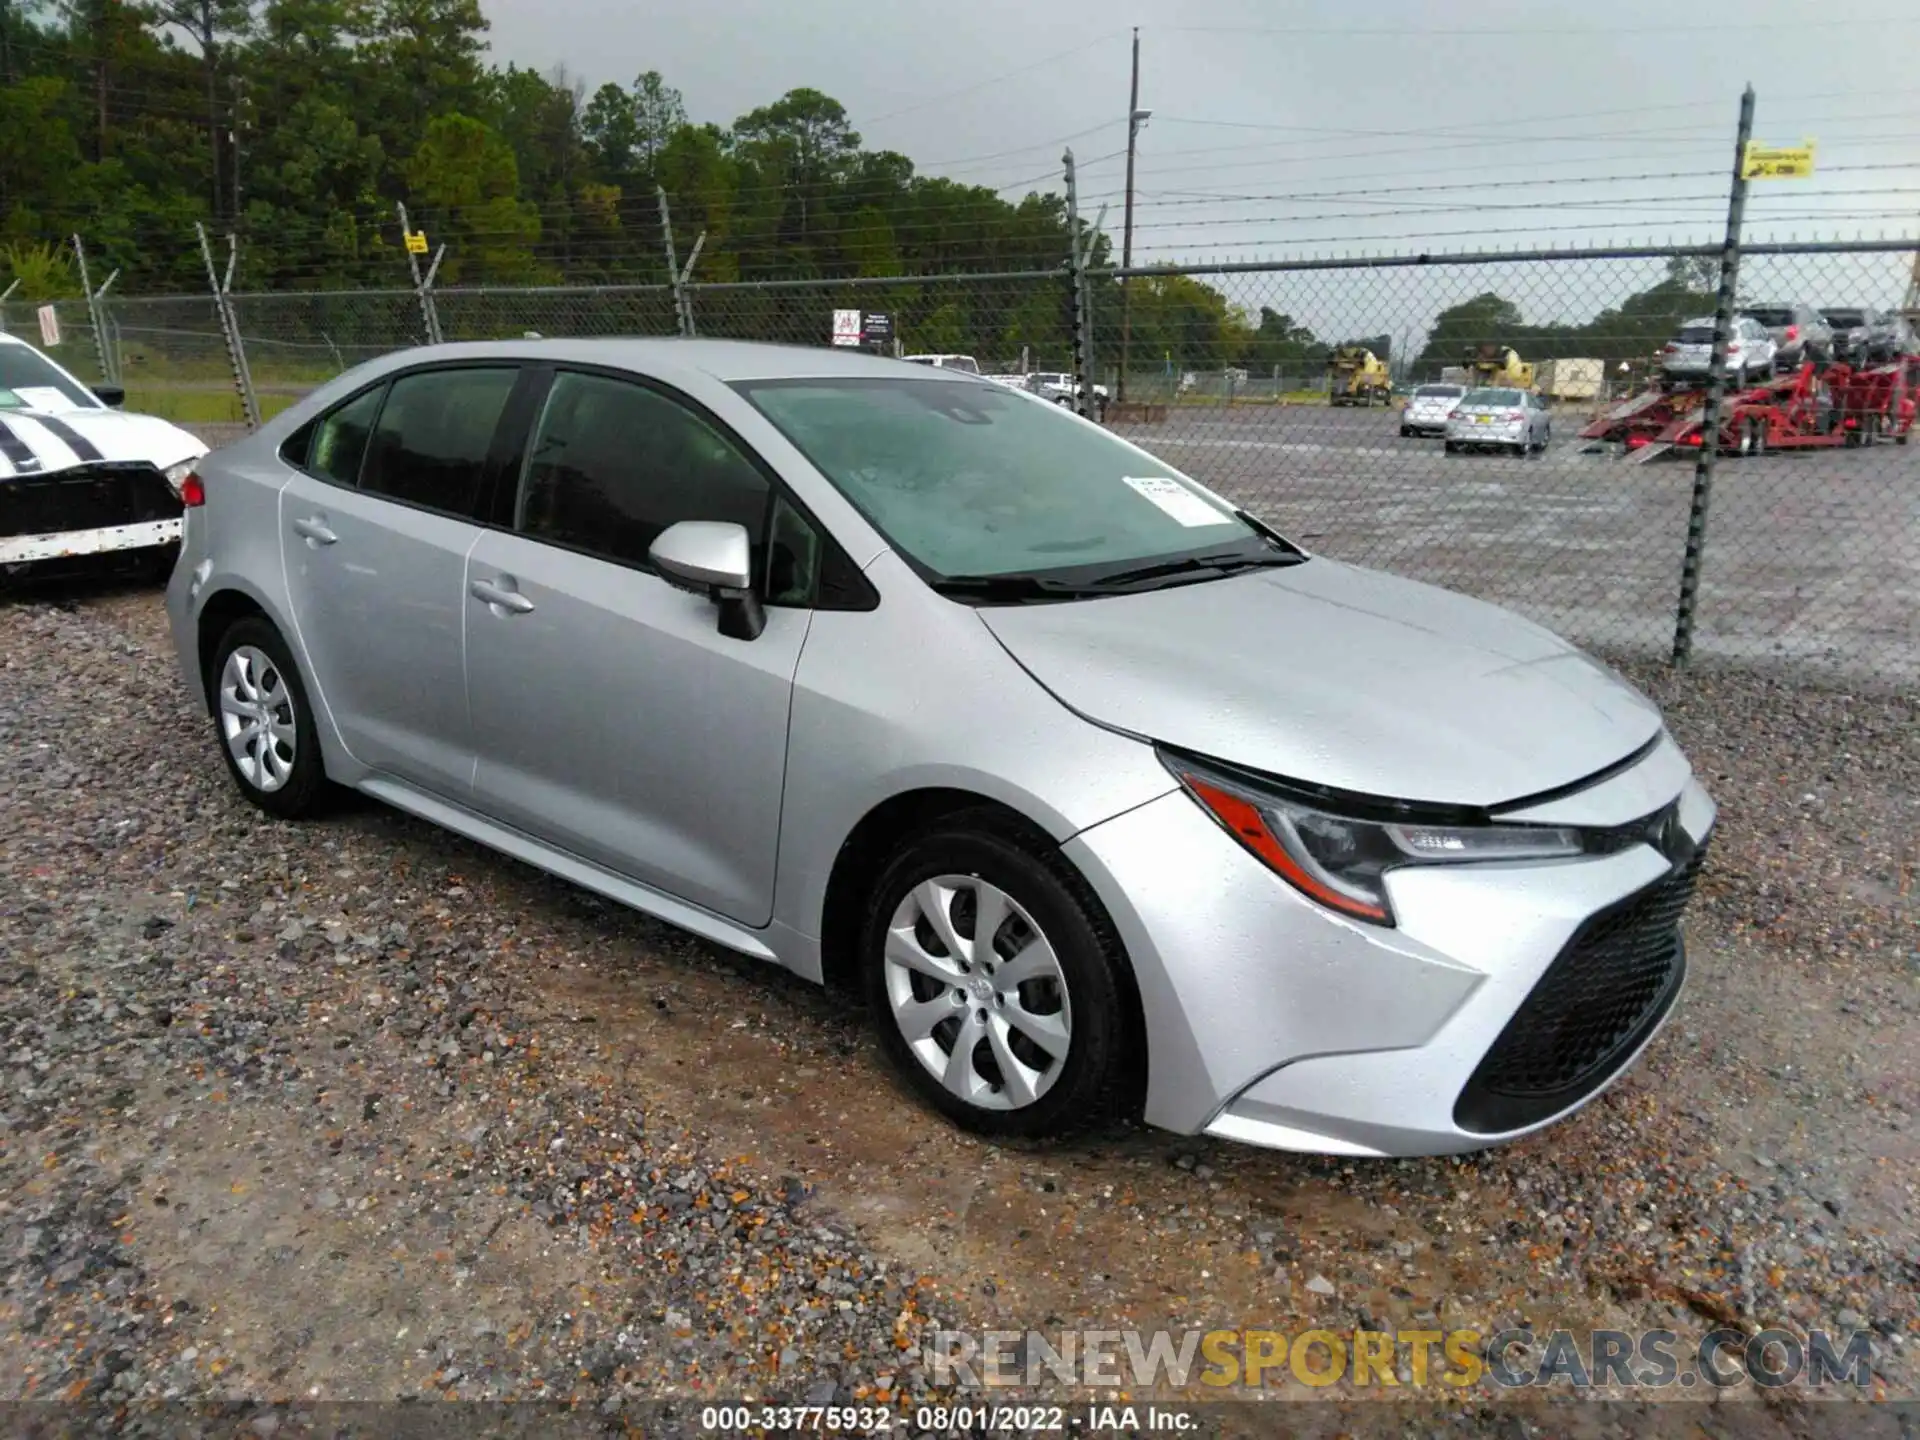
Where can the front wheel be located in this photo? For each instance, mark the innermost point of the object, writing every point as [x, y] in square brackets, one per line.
[264, 723]
[997, 983]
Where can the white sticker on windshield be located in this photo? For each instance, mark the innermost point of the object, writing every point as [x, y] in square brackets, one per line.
[42, 397]
[1176, 499]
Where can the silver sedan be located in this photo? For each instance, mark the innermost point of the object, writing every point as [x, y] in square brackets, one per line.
[1105, 796]
[1500, 419]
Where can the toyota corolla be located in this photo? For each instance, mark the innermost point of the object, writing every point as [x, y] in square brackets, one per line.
[1105, 795]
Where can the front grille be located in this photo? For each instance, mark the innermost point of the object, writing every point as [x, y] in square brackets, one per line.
[1594, 1006]
[87, 497]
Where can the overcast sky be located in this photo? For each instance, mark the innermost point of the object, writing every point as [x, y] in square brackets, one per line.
[1530, 102]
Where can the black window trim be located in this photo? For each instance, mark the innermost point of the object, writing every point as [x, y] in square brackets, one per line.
[865, 596]
[485, 498]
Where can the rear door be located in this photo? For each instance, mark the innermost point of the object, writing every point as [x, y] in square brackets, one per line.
[611, 718]
[375, 532]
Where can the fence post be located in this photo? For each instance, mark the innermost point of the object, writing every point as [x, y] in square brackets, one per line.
[1716, 387]
[6, 295]
[422, 284]
[94, 318]
[1082, 306]
[229, 326]
[678, 274]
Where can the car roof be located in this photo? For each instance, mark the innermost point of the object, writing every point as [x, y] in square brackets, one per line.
[724, 360]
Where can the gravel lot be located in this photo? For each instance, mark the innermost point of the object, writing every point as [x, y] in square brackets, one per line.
[355, 1110]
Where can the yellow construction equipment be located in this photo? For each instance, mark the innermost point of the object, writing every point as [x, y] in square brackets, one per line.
[1498, 366]
[1356, 376]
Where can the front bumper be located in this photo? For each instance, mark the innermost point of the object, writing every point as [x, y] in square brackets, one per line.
[102, 540]
[1273, 1021]
[95, 509]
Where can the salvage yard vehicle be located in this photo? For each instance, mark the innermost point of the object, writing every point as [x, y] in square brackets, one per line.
[1356, 376]
[1105, 795]
[79, 477]
[1428, 408]
[1800, 334]
[1689, 355]
[1488, 419]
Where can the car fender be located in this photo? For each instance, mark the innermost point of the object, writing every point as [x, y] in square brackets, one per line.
[918, 695]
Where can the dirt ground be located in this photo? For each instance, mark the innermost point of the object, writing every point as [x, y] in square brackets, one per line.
[356, 1110]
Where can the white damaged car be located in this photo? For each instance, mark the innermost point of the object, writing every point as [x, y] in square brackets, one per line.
[79, 476]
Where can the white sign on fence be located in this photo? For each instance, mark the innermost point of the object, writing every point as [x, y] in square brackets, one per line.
[49, 325]
[846, 327]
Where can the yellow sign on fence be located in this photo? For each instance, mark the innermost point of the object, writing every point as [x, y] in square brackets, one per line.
[1777, 162]
[416, 242]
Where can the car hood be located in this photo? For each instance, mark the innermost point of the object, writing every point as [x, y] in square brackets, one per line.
[41, 442]
[1333, 675]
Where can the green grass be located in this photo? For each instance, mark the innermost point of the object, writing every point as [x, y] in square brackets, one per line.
[200, 407]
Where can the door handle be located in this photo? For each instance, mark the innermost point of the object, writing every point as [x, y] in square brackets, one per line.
[500, 597]
[315, 530]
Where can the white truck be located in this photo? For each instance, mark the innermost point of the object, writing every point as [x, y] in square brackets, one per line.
[1570, 379]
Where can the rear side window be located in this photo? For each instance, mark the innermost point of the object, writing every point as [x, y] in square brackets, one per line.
[430, 446]
[613, 464]
[339, 438]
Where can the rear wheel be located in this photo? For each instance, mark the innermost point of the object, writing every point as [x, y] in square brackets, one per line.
[1452, 447]
[263, 720]
[997, 983]
[1757, 428]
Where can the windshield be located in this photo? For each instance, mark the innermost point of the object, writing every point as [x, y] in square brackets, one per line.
[1492, 397]
[1851, 319]
[1439, 392]
[970, 480]
[30, 381]
[1773, 317]
[1697, 335]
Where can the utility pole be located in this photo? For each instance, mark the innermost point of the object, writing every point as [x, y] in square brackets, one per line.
[1135, 118]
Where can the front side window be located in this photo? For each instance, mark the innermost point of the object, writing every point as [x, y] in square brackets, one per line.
[612, 464]
[972, 480]
[430, 446]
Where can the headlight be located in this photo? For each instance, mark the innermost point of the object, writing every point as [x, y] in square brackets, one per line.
[177, 474]
[1340, 860]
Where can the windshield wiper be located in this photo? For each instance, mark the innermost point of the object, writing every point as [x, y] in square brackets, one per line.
[1225, 564]
[1010, 589]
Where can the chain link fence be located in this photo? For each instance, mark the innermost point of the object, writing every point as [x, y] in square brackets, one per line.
[1287, 387]
[1812, 543]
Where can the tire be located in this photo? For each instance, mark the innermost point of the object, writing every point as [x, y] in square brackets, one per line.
[1011, 1083]
[1405, 431]
[252, 666]
[1758, 426]
[1451, 447]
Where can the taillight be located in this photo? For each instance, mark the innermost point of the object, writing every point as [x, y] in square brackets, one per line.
[1793, 332]
[192, 492]
[1733, 347]
[1513, 415]
[1672, 347]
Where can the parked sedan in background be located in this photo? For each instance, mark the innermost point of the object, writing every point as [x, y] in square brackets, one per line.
[1499, 419]
[1428, 408]
[1061, 388]
[1689, 355]
[1105, 795]
[1799, 334]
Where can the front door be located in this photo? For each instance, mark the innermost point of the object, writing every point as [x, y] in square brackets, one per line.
[610, 716]
[375, 532]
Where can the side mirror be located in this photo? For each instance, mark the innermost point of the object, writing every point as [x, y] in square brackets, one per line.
[713, 558]
[114, 395]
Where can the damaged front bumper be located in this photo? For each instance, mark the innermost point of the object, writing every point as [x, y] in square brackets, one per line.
[100, 509]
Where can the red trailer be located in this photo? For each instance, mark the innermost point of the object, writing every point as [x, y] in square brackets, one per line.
[1808, 408]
